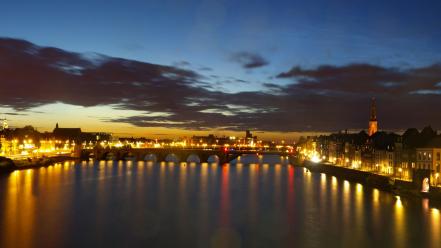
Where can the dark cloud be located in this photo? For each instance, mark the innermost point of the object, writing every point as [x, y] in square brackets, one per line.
[273, 87]
[327, 98]
[227, 80]
[205, 68]
[249, 60]
[15, 114]
[181, 63]
[241, 81]
[366, 78]
[33, 76]
[403, 94]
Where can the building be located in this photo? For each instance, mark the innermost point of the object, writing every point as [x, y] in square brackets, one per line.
[384, 161]
[207, 140]
[352, 154]
[249, 139]
[405, 159]
[4, 124]
[67, 133]
[373, 123]
[337, 152]
[429, 159]
[76, 135]
[367, 156]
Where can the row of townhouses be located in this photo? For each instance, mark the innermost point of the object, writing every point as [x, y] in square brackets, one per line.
[398, 156]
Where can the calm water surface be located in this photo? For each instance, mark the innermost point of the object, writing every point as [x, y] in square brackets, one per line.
[266, 204]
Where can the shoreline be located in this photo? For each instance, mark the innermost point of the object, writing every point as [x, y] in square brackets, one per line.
[395, 186]
[10, 165]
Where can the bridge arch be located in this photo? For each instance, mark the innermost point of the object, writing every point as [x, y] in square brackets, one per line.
[151, 158]
[129, 156]
[193, 158]
[171, 157]
[109, 156]
[213, 159]
[86, 154]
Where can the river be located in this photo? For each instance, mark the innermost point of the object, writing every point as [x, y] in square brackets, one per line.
[264, 204]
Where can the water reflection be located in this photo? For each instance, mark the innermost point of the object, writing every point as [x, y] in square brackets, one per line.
[224, 216]
[252, 193]
[199, 205]
[435, 227]
[277, 185]
[399, 222]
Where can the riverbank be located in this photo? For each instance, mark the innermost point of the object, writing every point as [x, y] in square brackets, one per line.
[8, 165]
[385, 183]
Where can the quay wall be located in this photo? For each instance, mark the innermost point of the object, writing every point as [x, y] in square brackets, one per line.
[8, 165]
[385, 183]
[357, 176]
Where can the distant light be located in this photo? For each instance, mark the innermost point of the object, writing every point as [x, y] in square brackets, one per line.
[398, 203]
[315, 159]
[435, 212]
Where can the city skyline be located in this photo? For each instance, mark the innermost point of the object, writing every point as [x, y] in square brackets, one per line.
[220, 123]
[274, 73]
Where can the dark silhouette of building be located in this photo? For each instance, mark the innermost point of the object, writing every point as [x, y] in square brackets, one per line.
[249, 138]
[67, 133]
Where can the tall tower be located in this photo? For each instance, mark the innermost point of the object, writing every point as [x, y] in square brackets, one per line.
[4, 125]
[373, 124]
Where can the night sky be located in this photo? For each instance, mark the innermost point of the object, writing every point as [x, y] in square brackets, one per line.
[166, 68]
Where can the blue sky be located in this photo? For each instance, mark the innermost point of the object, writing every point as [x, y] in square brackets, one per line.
[205, 33]
[393, 34]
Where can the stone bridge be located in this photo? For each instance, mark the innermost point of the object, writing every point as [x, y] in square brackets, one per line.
[170, 154]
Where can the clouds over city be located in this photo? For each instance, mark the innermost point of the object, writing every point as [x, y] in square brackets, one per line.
[367, 78]
[325, 98]
[248, 60]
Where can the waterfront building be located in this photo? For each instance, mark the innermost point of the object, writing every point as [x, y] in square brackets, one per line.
[404, 161]
[412, 156]
[384, 161]
[352, 155]
[367, 156]
[334, 152]
[2, 141]
[429, 160]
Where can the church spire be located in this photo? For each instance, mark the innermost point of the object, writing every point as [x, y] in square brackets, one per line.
[4, 124]
[373, 110]
[373, 124]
